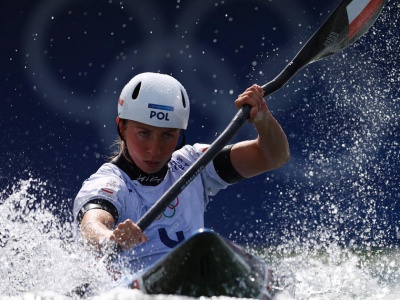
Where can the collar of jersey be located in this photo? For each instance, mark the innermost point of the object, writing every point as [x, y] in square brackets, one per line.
[126, 164]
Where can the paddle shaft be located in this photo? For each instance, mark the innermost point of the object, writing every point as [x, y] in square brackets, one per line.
[334, 35]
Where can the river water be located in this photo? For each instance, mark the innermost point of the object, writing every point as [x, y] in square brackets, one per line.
[39, 260]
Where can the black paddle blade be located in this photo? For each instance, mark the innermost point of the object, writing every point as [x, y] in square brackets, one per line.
[350, 20]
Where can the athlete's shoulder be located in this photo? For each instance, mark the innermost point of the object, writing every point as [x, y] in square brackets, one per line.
[109, 168]
[187, 156]
[192, 150]
[106, 174]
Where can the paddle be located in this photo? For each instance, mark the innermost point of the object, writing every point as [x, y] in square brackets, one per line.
[350, 20]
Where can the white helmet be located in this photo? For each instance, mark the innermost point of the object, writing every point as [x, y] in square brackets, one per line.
[155, 99]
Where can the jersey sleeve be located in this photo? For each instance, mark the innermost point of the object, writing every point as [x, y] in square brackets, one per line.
[106, 184]
[212, 181]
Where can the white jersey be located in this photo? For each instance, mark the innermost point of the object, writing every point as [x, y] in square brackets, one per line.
[131, 200]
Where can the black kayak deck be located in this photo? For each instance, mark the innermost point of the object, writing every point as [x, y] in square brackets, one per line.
[207, 265]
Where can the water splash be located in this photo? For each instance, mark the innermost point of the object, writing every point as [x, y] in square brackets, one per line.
[39, 259]
[319, 268]
[37, 251]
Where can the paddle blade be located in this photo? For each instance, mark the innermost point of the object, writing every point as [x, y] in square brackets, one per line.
[350, 20]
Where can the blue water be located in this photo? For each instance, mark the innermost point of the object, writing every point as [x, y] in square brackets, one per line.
[40, 261]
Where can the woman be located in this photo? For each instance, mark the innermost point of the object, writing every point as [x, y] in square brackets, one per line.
[153, 111]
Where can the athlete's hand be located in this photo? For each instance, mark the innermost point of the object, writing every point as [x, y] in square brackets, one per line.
[253, 96]
[127, 235]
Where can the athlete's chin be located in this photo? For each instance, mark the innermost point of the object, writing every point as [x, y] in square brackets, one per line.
[151, 167]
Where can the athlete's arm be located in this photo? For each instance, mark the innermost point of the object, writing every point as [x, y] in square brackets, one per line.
[97, 229]
[270, 149]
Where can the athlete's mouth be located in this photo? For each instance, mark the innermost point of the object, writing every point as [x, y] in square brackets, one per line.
[152, 163]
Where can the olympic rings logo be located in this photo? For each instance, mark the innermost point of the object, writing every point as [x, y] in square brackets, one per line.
[161, 47]
[170, 211]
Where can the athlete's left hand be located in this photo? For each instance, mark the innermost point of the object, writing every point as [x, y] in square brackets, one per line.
[253, 96]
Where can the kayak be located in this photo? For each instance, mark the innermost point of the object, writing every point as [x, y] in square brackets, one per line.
[207, 264]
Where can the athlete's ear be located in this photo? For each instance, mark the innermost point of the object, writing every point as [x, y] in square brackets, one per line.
[120, 128]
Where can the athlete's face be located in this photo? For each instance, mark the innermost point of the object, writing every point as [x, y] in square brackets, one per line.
[150, 147]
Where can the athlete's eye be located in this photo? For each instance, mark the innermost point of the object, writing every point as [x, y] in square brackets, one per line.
[168, 135]
[144, 133]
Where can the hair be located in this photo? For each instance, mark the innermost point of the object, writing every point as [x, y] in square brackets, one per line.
[119, 142]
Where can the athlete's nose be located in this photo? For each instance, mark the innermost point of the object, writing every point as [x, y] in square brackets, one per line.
[154, 147]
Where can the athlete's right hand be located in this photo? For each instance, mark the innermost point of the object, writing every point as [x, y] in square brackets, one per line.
[127, 235]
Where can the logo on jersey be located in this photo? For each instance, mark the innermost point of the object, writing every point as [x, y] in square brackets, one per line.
[108, 191]
[170, 211]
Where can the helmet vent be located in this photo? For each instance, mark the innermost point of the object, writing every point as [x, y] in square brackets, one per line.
[183, 100]
[135, 92]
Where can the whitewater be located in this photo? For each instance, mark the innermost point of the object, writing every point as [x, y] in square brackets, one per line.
[40, 260]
